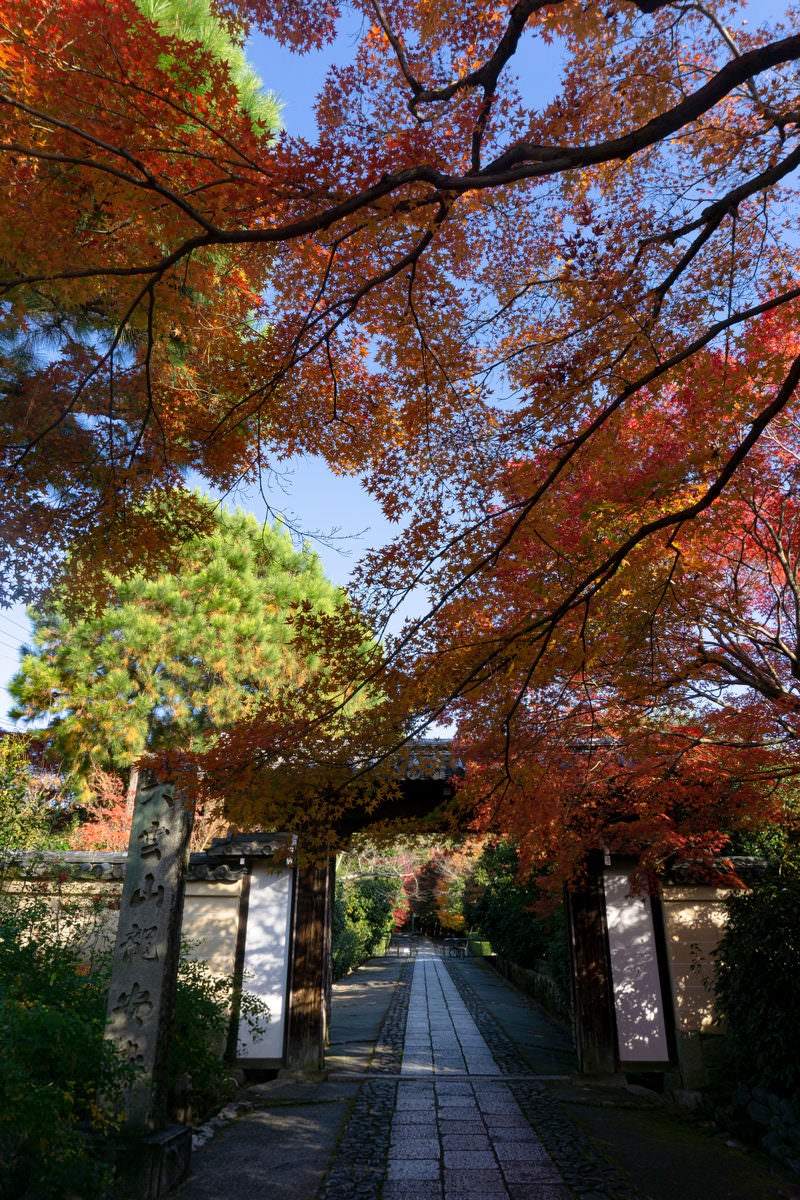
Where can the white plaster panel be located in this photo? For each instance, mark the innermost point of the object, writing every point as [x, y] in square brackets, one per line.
[638, 1002]
[210, 921]
[266, 957]
[694, 924]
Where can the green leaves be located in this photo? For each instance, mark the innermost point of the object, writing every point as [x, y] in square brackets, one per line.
[172, 659]
[34, 812]
[758, 979]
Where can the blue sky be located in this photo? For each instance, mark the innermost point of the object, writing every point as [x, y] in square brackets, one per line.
[314, 500]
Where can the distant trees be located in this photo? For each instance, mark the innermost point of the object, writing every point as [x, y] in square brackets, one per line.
[35, 813]
[363, 917]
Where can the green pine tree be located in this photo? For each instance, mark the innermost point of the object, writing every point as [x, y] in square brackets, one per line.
[196, 21]
[171, 659]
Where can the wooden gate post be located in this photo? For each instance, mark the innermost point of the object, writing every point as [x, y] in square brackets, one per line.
[595, 1023]
[308, 1005]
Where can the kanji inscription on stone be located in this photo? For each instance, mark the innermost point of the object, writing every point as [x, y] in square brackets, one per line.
[135, 1004]
[132, 1055]
[150, 839]
[149, 893]
[145, 965]
[140, 942]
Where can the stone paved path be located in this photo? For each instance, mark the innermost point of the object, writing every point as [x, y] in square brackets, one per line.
[444, 1081]
[456, 1129]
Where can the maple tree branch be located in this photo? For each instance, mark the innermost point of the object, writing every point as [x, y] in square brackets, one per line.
[730, 42]
[712, 215]
[486, 76]
[107, 356]
[519, 163]
[542, 629]
[314, 315]
[736, 664]
[427, 351]
[525, 161]
[691, 252]
[644, 381]
[130, 85]
[601, 574]
[524, 508]
[147, 180]
[347, 308]
[400, 54]
[789, 580]
[149, 388]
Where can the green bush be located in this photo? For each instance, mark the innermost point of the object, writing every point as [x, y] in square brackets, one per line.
[503, 909]
[54, 975]
[758, 980]
[55, 1059]
[363, 915]
[199, 1075]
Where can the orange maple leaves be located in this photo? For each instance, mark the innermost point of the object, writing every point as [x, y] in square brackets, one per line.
[457, 276]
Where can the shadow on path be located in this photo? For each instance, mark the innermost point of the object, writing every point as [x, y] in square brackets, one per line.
[663, 1156]
[329, 1138]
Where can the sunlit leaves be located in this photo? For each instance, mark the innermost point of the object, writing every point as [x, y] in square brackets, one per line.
[172, 658]
[534, 326]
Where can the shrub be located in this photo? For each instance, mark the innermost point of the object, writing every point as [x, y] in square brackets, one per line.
[363, 916]
[503, 908]
[54, 975]
[199, 1075]
[55, 1059]
[758, 980]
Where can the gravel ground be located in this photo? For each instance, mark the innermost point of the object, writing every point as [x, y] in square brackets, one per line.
[358, 1169]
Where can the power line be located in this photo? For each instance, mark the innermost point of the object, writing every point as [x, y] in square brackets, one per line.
[10, 636]
[21, 634]
[5, 618]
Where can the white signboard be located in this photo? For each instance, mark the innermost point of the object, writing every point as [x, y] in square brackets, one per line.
[638, 1002]
[266, 959]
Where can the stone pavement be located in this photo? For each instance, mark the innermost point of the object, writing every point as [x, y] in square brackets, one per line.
[456, 1129]
[445, 1083]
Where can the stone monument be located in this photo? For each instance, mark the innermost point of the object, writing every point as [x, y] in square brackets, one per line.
[144, 973]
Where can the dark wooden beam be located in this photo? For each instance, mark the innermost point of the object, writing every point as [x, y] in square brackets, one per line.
[595, 1022]
[308, 1009]
[420, 800]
